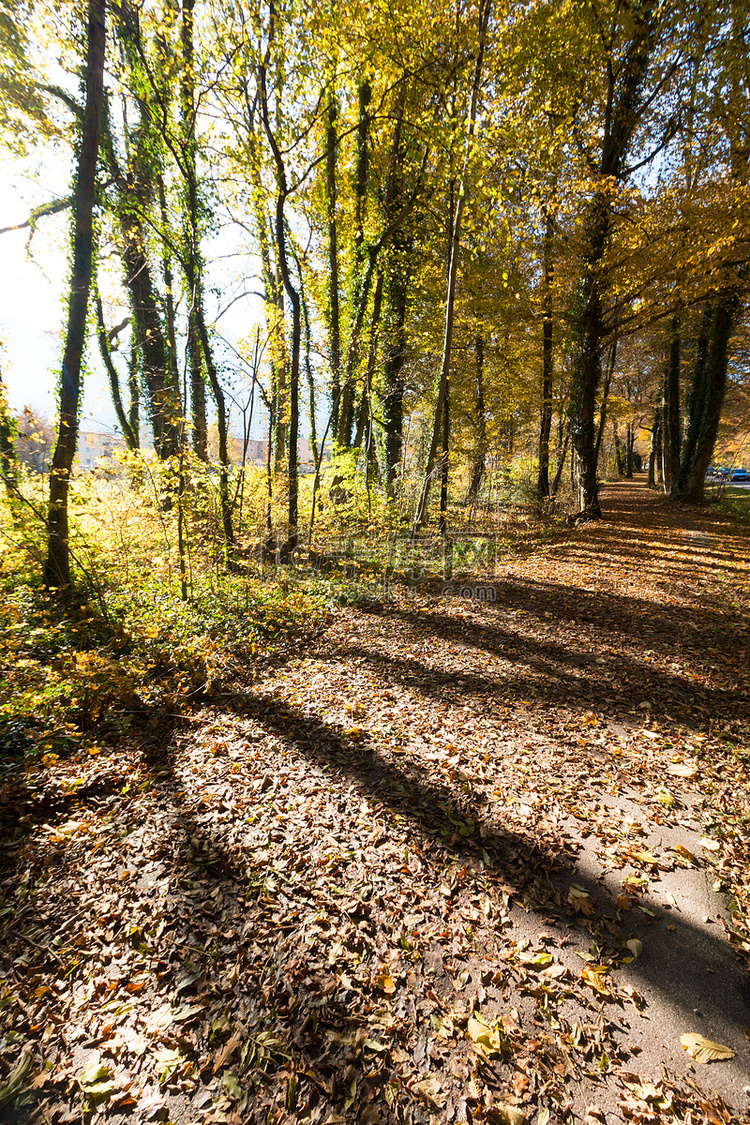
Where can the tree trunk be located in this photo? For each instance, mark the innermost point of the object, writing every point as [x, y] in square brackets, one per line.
[654, 455]
[334, 316]
[605, 397]
[444, 459]
[57, 565]
[170, 312]
[547, 363]
[453, 277]
[480, 449]
[619, 459]
[620, 121]
[221, 426]
[190, 253]
[562, 453]
[130, 435]
[364, 421]
[362, 272]
[707, 395]
[671, 425]
[294, 300]
[163, 401]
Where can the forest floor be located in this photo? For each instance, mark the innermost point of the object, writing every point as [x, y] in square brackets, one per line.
[472, 855]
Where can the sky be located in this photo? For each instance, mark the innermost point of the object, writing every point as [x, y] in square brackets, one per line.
[33, 292]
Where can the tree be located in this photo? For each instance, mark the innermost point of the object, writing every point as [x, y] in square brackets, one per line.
[57, 566]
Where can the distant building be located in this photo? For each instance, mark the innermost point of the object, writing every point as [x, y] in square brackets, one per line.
[257, 452]
[94, 447]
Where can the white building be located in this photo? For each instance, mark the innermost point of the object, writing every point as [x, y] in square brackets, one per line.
[93, 447]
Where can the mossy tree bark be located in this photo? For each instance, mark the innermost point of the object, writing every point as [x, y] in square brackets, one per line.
[57, 573]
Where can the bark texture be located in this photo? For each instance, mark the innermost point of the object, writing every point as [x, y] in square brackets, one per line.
[57, 566]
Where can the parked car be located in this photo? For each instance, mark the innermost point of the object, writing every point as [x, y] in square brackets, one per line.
[739, 476]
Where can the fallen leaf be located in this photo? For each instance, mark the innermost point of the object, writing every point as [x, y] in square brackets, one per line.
[430, 1090]
[710, 845]
[506, 1115]
[581, 901]
[593, 979]
[385, 982]
[704, 1050]
[10, 1089]
[685, 854]
[484, 1036]
[679, 769]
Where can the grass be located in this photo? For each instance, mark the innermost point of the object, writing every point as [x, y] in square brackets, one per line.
[736, 503]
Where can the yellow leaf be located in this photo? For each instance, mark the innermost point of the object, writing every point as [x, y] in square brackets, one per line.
[507, 1115]
[485, 1037]
[703, 1050]
[685, 854]
[593, 980]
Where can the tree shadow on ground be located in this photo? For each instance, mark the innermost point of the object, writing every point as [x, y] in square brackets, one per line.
[556, 672]
[316, 1028]
[433, 807]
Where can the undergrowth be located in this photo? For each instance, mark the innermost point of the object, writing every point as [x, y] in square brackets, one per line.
[79, 671]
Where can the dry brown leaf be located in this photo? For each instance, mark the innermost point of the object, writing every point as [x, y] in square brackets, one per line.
[385, 982]
[581, 901]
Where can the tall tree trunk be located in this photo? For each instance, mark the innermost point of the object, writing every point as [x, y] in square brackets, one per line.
[394, 329]
[619, 459]
[134, 413]
[130, 435]
[57, 565]
[620, 121]
[309, 374]
[445, 460]
[562, 453]
[221, 426]
[547, 362]
[671, 425]
[707, 395]
[455, 247]
[362, 271]
[170, 305]
[273, 294]
[480, 450]
[605, 397]
[191, 262]
[364, 421]
[654, 453]
[334, 315]
[294, 301]
[629, 444]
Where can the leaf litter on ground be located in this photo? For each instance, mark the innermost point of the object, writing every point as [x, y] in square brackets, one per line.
[272, 914]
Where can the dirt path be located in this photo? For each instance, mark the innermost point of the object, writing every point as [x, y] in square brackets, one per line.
[395, 881]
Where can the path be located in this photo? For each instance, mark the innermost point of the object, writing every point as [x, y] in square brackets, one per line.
[394, 881]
